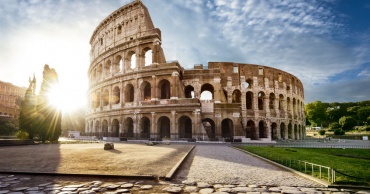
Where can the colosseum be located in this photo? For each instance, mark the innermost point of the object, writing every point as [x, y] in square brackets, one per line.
[135, 94]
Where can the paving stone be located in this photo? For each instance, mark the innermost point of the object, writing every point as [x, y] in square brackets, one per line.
[191, 189]
[274, 189]
[110, 192]
[4, 191]
[341, 192]
[33, 189]
[189, 182]
[4, 185]
[45, 184]
[53, 188]
[112, 187]
[54, 192]
[363, 192]
[127, 185]
[20, 189]
[203, 185]
[74, 186]
[241, 189]
[69, 189]
[87, 192]
[82, 189]
[229, 186]
[252, 186]
[219, 192]
[123, 191]
[206, 191]
[146, 187]
[295, 191]
[225, 190]
[217, 186]
[53, 185]
[96, 189]
[172, 189]
[15, 193]
[35, 192]
[254, 192]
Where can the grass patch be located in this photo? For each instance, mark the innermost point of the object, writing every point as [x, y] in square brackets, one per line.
[353, 162]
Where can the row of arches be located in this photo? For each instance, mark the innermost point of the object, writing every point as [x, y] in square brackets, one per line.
[115, 96]
[121, 64]
[143, 129]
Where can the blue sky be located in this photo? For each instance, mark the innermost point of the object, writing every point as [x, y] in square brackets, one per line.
[326, 44]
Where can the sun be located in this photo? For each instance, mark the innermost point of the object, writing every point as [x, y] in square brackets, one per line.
[63, 98]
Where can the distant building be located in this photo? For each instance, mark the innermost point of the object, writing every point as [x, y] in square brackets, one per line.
[8, 95]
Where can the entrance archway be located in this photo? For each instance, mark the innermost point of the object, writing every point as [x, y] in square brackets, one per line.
[185, 127]
[209, 127]
[227, 128]
[164, 127]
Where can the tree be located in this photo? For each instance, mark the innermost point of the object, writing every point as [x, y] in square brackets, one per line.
[322, 132]
[363, 113]
[28, 109]
[347, 123]
[316, 113]
[7, 126]
[50, 124]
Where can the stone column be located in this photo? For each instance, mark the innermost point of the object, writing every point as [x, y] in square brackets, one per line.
[154, 88]
[122, 96]
[154, 129]
[173, 134]
[174, 93]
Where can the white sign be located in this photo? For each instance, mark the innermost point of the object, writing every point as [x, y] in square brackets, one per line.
[217, 115]
[236, 114]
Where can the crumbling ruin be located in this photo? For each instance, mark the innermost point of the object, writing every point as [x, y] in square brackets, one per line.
[136, 94]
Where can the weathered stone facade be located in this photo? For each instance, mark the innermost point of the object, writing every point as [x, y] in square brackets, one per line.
[135, 94]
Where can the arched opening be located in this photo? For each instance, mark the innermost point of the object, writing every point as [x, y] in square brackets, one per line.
[288, 105]
[290, 132]
[146, 91]
[165, 89]
[249, 100]
[133, 61]
[296, 135]
[118, 64]
[100, 72]
[261, 100]
[128, 127]
[105, 128]
[107, 68]
[207, 92]
[281, 102]
[225, 95]
[209, 127]
[130, 93]
[274, 132]
[262, 129]
[185, 127]
[227, 129]
[148, 57]
[116, 95]
[300, 134]
[248, 84]
[115, 128]
[97, 129]
[237, 96]
[145, 128]
[105, 97]
[294, 108]
[250, 131]
[164, 127]
[189, 91]
[282, 131]
[272, 101]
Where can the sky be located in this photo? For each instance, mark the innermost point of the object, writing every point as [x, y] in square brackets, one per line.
[325, 43]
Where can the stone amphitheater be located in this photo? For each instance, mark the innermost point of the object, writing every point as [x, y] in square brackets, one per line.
[135, 94]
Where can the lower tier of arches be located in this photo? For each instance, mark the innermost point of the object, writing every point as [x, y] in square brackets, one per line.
[193, 127]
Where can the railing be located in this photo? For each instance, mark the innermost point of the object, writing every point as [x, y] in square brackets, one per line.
[315, 170]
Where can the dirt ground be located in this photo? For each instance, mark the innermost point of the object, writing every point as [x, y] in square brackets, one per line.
[125, 159]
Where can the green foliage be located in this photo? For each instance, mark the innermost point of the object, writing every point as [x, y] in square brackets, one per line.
[41, 119]
[339, 132]
[363, 113]
[347, 123]
[316, 113]
[8, 127]
[22, 135]
[322, 132]
[335, 125]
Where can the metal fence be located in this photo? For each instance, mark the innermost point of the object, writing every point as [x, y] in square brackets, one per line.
[315, 170]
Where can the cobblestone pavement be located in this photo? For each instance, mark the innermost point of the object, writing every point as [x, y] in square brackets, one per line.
[15, 184]
[225, 165]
